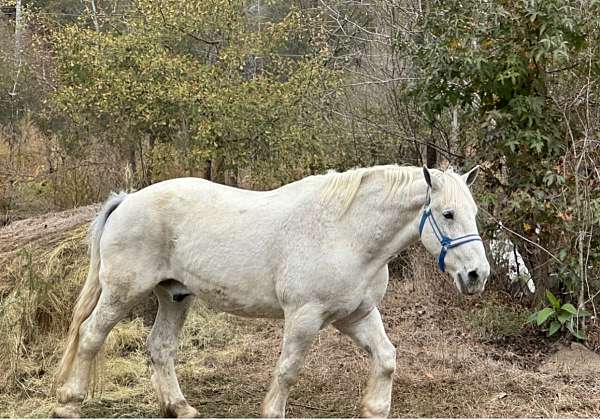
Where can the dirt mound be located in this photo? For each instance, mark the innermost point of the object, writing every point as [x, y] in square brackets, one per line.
[575, 360]
[42, 231]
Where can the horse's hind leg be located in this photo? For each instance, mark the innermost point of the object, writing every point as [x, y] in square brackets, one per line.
[109, 310]
[162, 343]
[369, 334]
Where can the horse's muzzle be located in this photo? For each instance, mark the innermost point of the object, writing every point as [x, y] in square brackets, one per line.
[472, 282]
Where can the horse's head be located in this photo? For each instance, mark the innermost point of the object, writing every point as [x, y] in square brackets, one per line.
[448, 229]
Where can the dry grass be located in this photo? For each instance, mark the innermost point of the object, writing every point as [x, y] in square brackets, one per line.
[457, 356]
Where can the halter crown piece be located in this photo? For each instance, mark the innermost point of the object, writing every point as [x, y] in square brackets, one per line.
[445, 241]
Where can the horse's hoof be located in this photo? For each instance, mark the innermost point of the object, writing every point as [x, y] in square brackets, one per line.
[187, 412]
[67, 411]
[181, 410]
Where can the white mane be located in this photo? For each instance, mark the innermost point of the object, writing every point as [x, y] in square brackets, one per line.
[341, 188]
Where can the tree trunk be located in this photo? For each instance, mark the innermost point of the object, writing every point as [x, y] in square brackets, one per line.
[431, 152]
[454, 130]
[208, 170]
[95, 16]
[231, 177]
[132, 167]
[18, 45]
[18, 33]
[217, 173]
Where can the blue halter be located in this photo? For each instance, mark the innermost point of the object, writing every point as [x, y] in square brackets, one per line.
[446, 242]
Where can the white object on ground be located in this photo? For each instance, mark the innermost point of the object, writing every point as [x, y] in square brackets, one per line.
[504, 251]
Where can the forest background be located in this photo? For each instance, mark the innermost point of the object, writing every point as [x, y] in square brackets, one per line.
[103, 95]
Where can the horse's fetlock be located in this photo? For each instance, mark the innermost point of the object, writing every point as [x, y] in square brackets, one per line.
[270, 413]
[66, 395]
[375, 410]
[179, 409]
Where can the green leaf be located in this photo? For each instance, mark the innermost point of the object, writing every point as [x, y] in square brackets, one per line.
[562, 254]
[564, 316]
[532, 318]
[554, 327]
[579, 334]
[552, 299]
[543, 315]
[583, 313]
[569, 308]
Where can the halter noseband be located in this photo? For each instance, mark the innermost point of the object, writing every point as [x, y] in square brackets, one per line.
[445, 241]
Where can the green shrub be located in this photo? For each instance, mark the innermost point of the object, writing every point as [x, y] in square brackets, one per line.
[560, 316]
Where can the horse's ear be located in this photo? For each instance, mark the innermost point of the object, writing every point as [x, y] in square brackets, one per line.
[470, 176]
[427, 175]
[431, 181]
[434, 181]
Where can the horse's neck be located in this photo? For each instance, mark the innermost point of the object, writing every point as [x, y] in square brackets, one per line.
[386, 223]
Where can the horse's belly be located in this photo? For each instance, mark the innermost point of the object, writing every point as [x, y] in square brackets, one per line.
[256, 301]
[230, 274]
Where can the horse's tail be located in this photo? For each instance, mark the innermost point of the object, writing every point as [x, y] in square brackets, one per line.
[88, 298]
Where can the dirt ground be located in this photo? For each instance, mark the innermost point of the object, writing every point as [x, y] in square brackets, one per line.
[456, 356]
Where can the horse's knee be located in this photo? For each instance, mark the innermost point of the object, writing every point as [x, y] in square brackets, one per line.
[387, 359]
[287, 372]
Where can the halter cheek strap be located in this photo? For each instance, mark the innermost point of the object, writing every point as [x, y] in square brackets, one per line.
[445, 241]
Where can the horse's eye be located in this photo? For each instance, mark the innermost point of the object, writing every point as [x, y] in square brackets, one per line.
[448, 214]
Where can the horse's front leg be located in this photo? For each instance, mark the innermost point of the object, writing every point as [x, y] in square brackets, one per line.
[369, 334]
[301, 327]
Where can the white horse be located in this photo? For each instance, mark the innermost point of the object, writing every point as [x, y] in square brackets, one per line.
[314, 252]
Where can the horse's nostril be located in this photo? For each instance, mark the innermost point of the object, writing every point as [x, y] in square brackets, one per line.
[473, 276]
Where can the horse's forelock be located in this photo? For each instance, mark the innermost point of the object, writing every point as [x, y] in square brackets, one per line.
[455, 191]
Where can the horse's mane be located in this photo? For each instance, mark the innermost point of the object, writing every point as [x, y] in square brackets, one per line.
[341, 188]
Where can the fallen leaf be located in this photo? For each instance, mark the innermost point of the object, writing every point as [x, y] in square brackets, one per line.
[499, 396]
